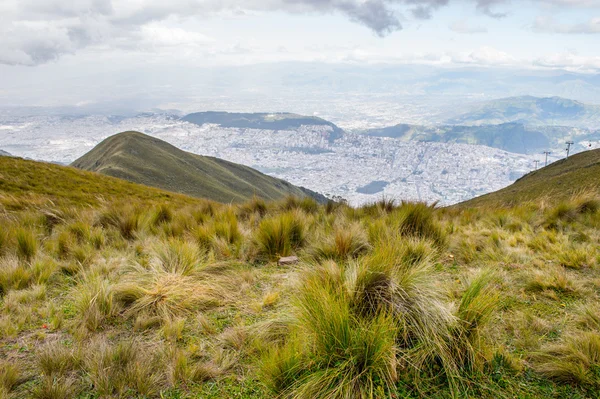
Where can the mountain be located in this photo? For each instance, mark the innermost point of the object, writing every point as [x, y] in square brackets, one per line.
[557, 181]
[147, 160]
[531, 110]
[513, 137]
[4, 154]
[266, 121]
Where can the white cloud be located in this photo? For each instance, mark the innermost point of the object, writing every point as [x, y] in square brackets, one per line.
[545, 24]
[462, 26]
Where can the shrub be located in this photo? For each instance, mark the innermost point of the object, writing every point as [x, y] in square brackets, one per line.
[280, 236]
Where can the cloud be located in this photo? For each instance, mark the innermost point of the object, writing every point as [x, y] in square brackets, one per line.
[486, 7]
[34, 32]
[569, 61]
[546, 24]
[462, 26]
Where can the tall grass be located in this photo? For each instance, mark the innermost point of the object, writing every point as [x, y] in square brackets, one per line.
[27, 244]
[280, 235]
[333, 353]
[356, 325]
[345, 242]
[156, 292]
[576, 360]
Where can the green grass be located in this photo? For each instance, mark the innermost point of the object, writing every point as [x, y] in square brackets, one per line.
[143, 293]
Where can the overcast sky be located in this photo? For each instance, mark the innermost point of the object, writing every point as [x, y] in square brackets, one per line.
[45, 41]
[551, 33]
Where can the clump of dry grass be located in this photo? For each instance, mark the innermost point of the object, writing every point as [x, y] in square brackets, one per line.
[9, 377]
[94, 302]
[27, 243]
[157, 293]
[124, 368]
[576, 360]
[280, 235]
[346, 242]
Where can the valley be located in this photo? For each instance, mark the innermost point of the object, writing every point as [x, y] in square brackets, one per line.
[447, 173]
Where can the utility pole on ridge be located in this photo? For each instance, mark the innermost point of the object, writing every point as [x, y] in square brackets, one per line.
[547, 153]
[569, 144]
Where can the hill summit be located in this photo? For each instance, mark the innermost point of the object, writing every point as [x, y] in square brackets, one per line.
[142, 159]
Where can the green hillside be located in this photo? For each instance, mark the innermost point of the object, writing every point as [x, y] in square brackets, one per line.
[555, 182]
[28, 184]
[146, 160]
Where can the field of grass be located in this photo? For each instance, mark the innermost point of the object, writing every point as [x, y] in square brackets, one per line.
[146, 294]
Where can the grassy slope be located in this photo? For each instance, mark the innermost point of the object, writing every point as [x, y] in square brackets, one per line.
[557, 181]
[25, 183]
[186, 300]
[142, 159]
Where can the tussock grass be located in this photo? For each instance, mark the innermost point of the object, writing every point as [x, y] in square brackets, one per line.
[14, 275]
[124, 368]
[346, 242]
[334, 353]
[27, 244]
[94, 302]
[128, 221]
[167, 295]
[9, 377]
[178, 257]
[280, 235]
[54, 388]
[576, 360]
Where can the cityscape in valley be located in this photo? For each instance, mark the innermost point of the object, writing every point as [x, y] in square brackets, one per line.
[482, 151]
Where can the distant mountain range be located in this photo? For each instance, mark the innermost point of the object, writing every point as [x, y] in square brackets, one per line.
[558, 181]
[518, 124]
[267, 121]
[147, 160]
[4, 154]
[528, 110]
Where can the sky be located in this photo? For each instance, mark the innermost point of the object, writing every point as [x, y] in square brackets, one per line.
[53, 39]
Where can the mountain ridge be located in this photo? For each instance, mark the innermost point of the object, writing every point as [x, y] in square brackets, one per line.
[262, 120]
[143, 159]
